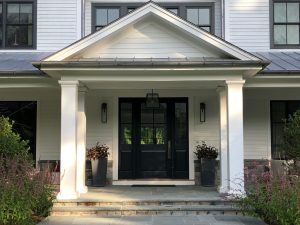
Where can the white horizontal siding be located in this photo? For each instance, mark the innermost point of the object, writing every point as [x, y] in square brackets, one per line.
[150, 40]
[97, 131]
[88, 11]
[248, 25]
[56, 24]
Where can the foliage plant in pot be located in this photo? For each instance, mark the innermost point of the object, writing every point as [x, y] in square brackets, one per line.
[98, 156]
[207, 156]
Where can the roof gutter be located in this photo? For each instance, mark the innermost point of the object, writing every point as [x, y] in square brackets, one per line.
[26, 73]
[140, 64]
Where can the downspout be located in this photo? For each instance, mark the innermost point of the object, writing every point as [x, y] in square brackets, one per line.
[82, 18]
[223, 19]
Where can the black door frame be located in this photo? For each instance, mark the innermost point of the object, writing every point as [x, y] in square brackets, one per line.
[170, 136]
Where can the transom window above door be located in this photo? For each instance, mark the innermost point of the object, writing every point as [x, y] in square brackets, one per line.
[17, 24]
[286, 24]
[200, 14]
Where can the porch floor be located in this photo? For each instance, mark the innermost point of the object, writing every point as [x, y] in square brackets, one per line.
[128, 193]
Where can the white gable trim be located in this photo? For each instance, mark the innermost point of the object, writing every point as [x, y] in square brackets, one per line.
[139, 14]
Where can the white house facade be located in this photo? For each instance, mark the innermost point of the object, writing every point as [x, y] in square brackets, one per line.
[77, 72]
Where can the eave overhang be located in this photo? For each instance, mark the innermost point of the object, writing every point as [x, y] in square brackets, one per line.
[97, 64]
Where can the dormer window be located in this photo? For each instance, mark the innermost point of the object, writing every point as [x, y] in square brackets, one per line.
[17, 24]
[285, 24]
[105, 15]
[200, 14]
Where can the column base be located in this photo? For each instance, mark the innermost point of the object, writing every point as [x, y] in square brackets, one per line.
[67, 196]
[83, 190]
[223, 189]
[237, 193]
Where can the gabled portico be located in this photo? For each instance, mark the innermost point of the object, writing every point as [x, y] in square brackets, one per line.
[168, 54]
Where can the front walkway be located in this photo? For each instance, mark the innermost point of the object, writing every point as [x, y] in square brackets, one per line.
[153, 220]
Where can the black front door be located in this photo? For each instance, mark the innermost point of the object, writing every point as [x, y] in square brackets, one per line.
[153, 143]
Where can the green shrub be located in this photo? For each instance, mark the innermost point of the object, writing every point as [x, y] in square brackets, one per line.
[25, 192]
[275, 200]
[11, 142]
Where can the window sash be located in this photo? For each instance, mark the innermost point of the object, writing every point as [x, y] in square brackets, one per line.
[24, 26]
[280, 109]
[284, 29]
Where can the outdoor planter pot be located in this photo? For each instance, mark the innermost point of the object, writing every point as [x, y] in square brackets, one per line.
[98, 156]
[208, 172]
[99, 171]
[207, 156]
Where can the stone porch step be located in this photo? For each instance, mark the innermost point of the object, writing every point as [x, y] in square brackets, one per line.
[144, 202]
[125, 209]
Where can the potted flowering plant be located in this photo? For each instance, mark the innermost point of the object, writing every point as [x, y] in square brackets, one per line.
[207, 156]
[98, 156]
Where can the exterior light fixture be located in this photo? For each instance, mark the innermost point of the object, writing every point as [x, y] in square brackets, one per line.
[152, 100]
[202, 112]
[104, 112]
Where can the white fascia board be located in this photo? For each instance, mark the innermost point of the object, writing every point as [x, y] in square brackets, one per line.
[274, 81]
[148, 74]
[137, 15]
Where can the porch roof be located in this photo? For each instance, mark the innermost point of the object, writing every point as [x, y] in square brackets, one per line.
[20, 63]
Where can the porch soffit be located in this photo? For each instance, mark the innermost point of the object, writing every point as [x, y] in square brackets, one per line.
[150, 33]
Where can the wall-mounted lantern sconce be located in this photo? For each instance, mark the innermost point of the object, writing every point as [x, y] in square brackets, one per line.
[202, 112]
[104, 112]
[152, 100]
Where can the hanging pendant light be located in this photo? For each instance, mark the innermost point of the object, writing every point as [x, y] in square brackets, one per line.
[152, 100]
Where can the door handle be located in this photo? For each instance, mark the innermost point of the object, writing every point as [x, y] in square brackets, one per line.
[169, 150]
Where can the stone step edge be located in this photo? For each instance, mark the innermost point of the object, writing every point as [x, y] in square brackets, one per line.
[144, 200]
[146, 213]
[157, 203]
[146, 208]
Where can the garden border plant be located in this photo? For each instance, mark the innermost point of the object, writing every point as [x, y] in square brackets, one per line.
[26, 194]
[274, 198]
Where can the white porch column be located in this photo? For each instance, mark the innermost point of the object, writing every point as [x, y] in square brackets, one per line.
[81, 142]
[235, 136]
[224, 180]
[68, 155]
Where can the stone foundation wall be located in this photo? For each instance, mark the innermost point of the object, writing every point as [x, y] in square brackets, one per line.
[260, 165]
[250, 164]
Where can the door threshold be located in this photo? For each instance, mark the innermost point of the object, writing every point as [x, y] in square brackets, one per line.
[153, 182]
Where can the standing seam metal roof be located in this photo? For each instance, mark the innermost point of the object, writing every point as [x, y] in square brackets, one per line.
[281, 62]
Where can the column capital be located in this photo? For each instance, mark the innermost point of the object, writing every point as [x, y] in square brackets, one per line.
[82, 89]
[68, 82]
[221, 88]
[235, 82]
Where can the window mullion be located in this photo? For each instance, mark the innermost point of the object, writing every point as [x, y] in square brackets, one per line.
[286, 26]
[4, 24]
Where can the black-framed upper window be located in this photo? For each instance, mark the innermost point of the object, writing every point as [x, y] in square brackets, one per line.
[200, 14]
[285, 24]
[1, 23]
[17, 28]
[105, 16]
[280, 110]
